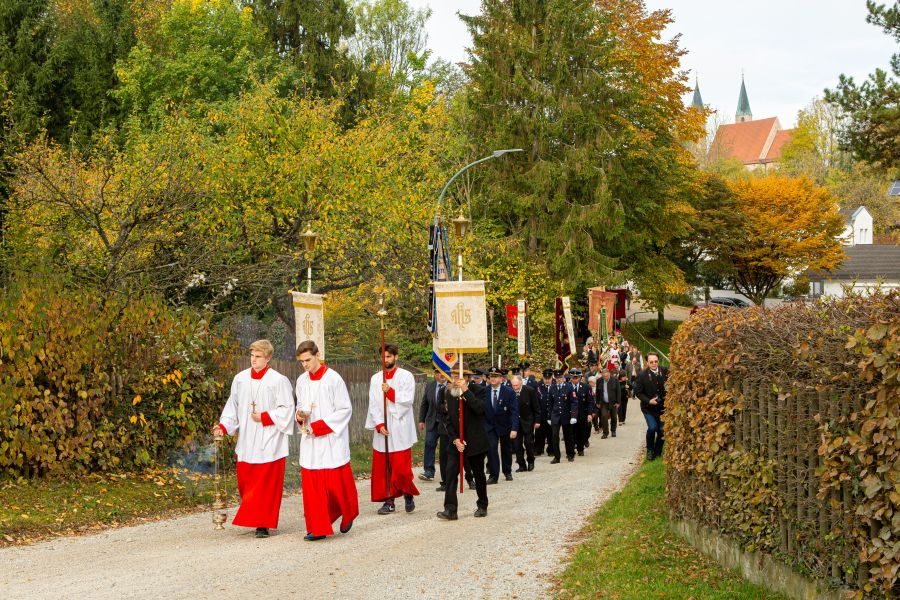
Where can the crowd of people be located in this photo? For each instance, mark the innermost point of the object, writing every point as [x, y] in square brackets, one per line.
[507, 416]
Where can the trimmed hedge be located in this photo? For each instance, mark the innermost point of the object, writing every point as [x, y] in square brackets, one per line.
[91, 384]
[782, 431]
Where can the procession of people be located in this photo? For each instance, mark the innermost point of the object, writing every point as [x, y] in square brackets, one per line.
[482, 419]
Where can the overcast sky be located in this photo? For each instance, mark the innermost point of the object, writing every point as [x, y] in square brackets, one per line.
[789, 50]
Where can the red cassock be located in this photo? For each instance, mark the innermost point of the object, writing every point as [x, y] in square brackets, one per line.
[327, 495]
[401, 475]
[260, 486]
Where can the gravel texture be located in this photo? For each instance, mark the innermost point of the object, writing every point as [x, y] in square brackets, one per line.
[513, 553]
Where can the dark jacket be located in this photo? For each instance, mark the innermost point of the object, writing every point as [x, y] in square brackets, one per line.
[475, 434]
[506, 417]
[428, 410]
[612, 386]
[647, 385]
[584, 399]
[531, 382]
[529, 408]
[543, 394]
[563, 404]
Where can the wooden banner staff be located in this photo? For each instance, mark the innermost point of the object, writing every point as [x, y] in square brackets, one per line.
[382, 313]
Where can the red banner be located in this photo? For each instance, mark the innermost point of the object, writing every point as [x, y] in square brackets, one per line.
[512, 317]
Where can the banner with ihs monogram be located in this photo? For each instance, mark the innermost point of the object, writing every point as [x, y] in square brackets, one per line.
[309, 317]
[461, 315]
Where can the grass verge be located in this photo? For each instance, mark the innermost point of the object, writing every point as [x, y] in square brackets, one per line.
[44, 508]
[661, 339]
[630, 552]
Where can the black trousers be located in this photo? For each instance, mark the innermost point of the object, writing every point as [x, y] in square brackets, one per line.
[524, 445]
[504, 459]
[476, 464]
[609, 417]
[568, 440]
[443, 449]
[542, 439]
[582, 433]
[623, 408]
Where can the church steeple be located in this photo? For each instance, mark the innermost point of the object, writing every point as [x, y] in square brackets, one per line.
[743, 108]
[697, 102]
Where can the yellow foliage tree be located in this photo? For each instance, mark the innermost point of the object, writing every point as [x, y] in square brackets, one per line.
[790, 226]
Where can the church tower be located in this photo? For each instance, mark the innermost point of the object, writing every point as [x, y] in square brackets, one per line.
[697, 102]
[743, 108]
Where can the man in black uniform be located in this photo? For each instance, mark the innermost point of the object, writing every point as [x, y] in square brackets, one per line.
[582, 428]
[563, 414]
[529, 418]
[542, 433]
[474, 447]
[429, 423]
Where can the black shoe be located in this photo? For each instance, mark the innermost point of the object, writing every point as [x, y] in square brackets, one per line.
[604, 436]
[650, 455]
[480, 512]
[386, 508]
[531, 466]
[614, 434]
[410, 502]
[471, 483]
[447, 516]
[262, 532]
[521, 469]
[426, 477]
[581, 453]
[347, 528]
[621, 422]
[491, 480]
[442, 487]
[538, 453]
[587, 444]
[312, 538]
[509, 476]
[554, 461]
[571, 459]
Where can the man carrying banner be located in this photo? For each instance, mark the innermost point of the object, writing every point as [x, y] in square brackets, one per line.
[397, 430]
[323, 413]
[261, 409]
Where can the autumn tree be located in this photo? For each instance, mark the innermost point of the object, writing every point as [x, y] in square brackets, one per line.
[790, 225]
[594, 97]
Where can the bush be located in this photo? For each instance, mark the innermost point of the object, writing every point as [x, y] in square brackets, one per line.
[91, 384]
[782, 431]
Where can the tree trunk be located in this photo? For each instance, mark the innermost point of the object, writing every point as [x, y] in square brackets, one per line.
[660, 322]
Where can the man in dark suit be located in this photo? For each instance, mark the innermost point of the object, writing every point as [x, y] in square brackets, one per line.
[430, 424]
[529, 419]
[586, 408]
[608, 398]
[501, 421]
[563, 415]
[650, 389]
[542, 433]
[473, 446]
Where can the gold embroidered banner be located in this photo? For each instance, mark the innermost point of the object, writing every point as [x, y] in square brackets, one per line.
[522, 330]
[309, 316]
[461, 316]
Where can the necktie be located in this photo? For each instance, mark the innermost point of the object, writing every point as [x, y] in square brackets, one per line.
[495, 399]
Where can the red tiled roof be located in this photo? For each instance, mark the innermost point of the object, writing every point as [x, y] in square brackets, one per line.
[743, 141]
[781, 138]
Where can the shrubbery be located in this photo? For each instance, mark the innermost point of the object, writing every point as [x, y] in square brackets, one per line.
[108, 383]
[782, 432]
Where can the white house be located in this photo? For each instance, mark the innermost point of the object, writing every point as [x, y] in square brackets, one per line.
[857, 228]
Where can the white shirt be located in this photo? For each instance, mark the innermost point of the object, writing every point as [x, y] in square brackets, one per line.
[326, 399]
[401, 424]
[272, 393]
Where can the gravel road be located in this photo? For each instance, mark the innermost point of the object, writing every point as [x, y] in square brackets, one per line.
[512, 553]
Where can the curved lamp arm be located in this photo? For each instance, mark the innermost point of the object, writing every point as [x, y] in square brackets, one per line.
[494, 154]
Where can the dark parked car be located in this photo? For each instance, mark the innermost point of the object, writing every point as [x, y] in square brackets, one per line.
[722, 301]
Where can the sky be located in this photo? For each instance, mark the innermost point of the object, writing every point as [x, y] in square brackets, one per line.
[789, 50]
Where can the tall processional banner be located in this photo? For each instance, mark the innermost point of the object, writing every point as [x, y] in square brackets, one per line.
[565, 330]
[521, 328]
[309, 318]
[461, 310]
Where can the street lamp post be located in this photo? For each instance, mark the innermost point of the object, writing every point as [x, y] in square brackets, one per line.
[309, 245]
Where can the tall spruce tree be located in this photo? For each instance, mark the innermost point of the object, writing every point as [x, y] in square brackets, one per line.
[595, 98]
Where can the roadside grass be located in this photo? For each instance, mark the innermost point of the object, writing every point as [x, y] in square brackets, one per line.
[630, 552]
[661, 339]
[31, 510]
